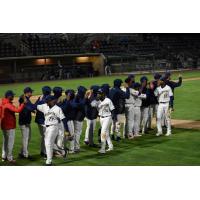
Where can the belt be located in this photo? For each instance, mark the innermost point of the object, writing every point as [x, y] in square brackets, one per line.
[163, 102]
[50, 125]
[105, 116]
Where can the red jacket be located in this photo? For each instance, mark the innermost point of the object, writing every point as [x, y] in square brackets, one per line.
[7, 111]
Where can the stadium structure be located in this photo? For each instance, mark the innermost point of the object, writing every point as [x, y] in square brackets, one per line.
[42, 56]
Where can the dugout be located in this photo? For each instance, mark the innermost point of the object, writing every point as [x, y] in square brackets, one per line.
[50, 67]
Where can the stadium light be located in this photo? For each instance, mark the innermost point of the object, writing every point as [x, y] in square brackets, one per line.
[84, 59]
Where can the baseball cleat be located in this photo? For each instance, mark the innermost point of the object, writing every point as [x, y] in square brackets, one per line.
[158, 134]
[43, 155]
[71, 152]
[102, 151]
[48, 164]
[118, 138]
[94, 145]
[4, 159]
[130, 137]
[110, 149]
[112, 137]
[168, 134]
[137, 135]
[77, 150]
[12, 161]
[86, 142]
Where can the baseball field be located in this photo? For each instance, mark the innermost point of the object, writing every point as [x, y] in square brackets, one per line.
[180, 149]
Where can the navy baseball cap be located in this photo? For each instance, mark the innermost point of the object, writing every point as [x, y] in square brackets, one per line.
[94, 88]
[46, 90]
[69, 92]
[81, 89]
[143, 78]
[117, 82]
[28, 89]
[163, 78]
[101, 91]
[57, 90]
[136, 85]
[131, 76]
[167, 74]
[50, 98]
[127, 80]
[9, 93]
[157, 76]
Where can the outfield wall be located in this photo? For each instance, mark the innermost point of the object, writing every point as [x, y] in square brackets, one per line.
[50, 67]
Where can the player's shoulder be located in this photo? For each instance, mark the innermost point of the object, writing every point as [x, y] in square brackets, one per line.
[107, 99]
[168, 87]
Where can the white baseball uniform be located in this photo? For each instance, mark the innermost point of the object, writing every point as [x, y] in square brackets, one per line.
[137, 112]
[53, 117]
[105, 107]
[163, 95]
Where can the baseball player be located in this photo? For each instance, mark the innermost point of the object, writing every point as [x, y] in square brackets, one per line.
[145, 104]
[137, 108]
[91, 116]
[165, 98]
[53, 117]
[132, 78]
[129, 110]
[25, 121]
[69, 110]
[8, 125]
[106, 112]
[106, 89]
[118, 96]
[153, 99]
[79, 102]
[58, 146]
[39, 118]
[173, 85]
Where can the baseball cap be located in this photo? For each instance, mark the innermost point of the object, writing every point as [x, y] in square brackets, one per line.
[28, 89]
[136, 85]
[127, 80]
[167, 74]
[69, 92]
[9, 93]
[157, 76]
[163, 78]
[50, 98]
[57, 90]
[143, 78]
[94, 88]
[131, 76]
[101, 91]
[46, 90]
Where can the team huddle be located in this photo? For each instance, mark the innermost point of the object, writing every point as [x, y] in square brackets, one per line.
[60, 117]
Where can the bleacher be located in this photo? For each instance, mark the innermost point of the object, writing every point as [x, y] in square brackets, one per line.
[109, 44]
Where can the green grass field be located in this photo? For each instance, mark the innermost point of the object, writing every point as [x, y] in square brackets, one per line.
[74, 83]
[182, 148]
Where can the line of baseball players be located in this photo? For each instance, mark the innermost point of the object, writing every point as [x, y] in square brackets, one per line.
[60, 120]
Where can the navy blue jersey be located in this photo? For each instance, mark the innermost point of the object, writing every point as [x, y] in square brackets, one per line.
[69, 109]
[79, 104]
[39, 118]
[118, 97]
[25, 114]
[91, 112]
[146, 102]
[153, 98]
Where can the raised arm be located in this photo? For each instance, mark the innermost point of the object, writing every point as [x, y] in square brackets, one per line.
[14, 108]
